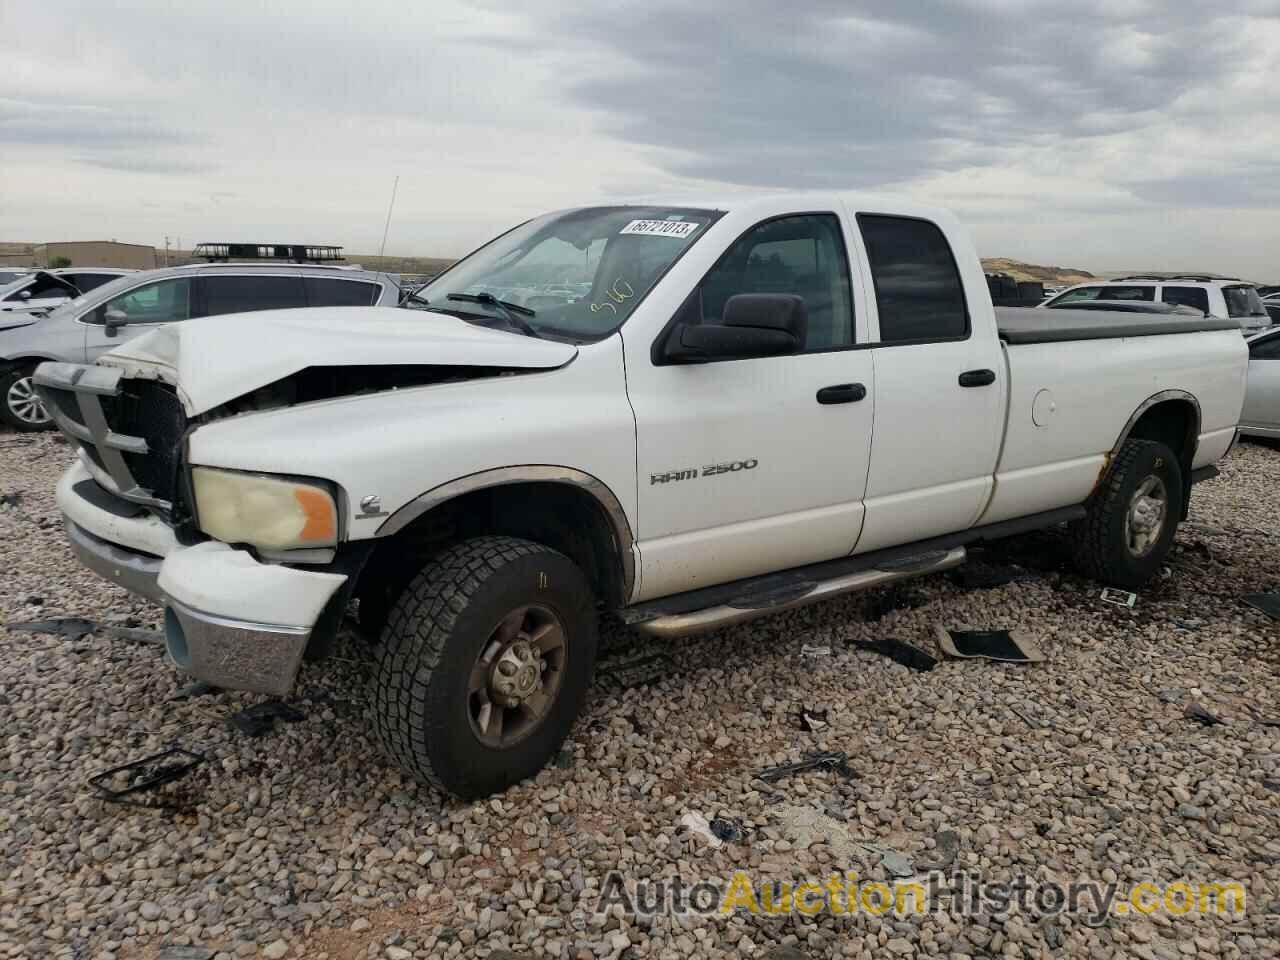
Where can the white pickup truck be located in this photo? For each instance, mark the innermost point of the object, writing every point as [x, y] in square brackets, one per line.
[689, 414]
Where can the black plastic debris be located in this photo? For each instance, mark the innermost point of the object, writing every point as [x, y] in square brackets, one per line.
[260, 719]
[10, 499]
[120, 783]
[828, 760]
[881, 604]
[813, 720]
[1010, 647]
[899, 652]
[76, 628]
[988, 576]
[730, 831]
[1268, 603]
[199, 688]
[1194, 711]
[636, 672]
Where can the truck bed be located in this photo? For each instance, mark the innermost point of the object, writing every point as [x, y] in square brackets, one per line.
[1030, 325]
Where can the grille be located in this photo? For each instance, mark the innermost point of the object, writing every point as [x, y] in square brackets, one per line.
[131, 430]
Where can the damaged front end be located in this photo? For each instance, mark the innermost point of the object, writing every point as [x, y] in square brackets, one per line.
[247, 594]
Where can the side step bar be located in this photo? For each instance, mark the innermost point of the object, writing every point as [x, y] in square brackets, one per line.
[764, 603]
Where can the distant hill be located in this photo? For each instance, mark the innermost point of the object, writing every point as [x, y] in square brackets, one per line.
[1056, 276]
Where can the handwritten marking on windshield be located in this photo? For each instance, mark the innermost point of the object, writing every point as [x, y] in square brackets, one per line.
[620, 292]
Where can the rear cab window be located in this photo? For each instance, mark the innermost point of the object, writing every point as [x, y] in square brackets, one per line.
[919, 295]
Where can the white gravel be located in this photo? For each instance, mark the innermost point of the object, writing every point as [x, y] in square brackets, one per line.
[306, 843]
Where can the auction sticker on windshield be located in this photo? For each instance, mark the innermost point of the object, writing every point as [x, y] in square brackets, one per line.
[661, 228]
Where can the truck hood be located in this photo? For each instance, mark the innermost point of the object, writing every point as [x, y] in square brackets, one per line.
[215, 360]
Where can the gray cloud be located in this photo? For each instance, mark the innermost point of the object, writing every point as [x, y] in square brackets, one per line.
[834, 93]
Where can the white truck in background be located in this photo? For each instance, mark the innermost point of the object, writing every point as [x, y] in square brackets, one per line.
[690, 413]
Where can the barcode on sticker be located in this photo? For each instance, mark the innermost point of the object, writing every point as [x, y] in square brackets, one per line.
[661, 228]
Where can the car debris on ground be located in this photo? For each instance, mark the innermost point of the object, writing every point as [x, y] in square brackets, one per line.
[899, 652]
[120, 784]
[1121, 598]
[1010, 646]
[260, 719]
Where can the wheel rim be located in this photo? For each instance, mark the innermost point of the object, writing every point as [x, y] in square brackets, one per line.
[516, 678]
[1144, 520]
[25, 404]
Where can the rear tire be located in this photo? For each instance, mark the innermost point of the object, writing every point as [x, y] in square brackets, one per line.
[1132, 517]
[488, 622]
[20, 408]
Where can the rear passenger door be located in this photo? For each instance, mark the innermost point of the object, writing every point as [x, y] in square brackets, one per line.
[1197, 297]
[219, 294]
[940, 384]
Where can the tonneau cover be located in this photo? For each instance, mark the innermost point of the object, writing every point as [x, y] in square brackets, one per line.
[1032, 325]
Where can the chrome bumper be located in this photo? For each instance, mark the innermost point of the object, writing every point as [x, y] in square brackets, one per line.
[229, 620]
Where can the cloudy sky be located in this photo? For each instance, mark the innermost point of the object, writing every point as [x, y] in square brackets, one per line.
[1108, 135]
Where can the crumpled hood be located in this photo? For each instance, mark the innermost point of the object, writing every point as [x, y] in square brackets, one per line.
[214, 360]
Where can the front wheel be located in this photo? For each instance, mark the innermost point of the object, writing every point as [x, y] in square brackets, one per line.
[20, 407]
[1132, 516]
[484, 664]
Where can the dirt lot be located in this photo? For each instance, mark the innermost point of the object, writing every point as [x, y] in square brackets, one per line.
[304, 842]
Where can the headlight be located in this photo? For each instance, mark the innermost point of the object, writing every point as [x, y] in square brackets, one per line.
[267, 512]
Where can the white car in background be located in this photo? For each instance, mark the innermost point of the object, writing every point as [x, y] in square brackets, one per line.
[1215, 296]
[1261, 414]
[40, 291]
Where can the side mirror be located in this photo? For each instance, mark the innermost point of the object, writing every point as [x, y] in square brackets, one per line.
[25, 295]
[753, 325]
[114, 321]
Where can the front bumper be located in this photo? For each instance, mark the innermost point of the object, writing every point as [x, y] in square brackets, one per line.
[230, 620]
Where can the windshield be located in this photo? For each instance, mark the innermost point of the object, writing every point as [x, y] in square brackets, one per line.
[577, 273]
[1243, 302]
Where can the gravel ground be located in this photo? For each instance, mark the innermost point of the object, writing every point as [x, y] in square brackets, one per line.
[304, 842]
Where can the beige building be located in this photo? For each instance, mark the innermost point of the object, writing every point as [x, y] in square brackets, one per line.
[96, 253]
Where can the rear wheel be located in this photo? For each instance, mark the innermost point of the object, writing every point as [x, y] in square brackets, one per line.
[20, 407]
[484, 664]
[1132, 516]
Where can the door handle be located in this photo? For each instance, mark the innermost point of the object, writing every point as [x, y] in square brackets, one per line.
[842, 393]
[977, 378]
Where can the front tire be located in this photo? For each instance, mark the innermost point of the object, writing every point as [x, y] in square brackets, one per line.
[484, 664]
[20, 408]
[1132, 517]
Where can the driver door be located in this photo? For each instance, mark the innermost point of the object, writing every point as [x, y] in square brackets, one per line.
[752, 465]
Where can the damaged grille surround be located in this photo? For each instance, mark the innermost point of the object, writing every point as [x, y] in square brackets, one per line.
[129, 430]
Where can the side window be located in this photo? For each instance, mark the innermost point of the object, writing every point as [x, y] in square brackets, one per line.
[243, 294]
[331, 292]
[1197, 297]
[91, 281]
[41, 289]
[1268, 349]
[917, 284]
[164, 301]
[803, 255]
[1128, 293]
[1077, 295]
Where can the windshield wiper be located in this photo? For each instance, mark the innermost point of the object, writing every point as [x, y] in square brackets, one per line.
[511, 311]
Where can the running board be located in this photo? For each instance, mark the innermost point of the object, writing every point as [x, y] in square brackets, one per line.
[770, 599]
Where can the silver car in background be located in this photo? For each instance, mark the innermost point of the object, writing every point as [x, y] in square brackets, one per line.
[39, 291]
[79, 330]
[1261, 414]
